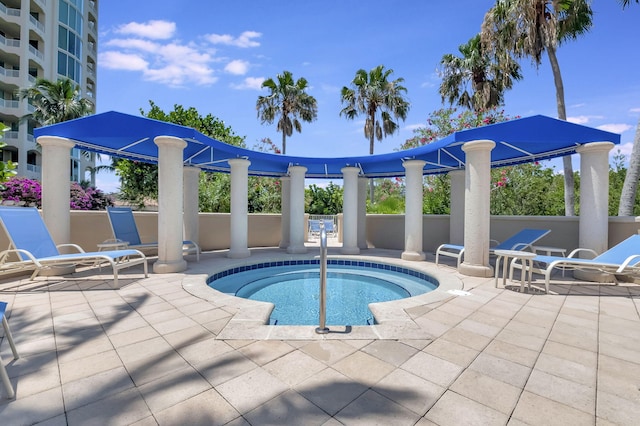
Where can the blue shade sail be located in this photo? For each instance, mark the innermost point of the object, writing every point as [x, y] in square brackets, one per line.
[517, 141]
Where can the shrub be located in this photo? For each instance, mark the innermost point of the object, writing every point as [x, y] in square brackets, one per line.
[29, 191]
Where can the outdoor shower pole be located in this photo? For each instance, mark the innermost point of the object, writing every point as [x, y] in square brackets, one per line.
[323, 329]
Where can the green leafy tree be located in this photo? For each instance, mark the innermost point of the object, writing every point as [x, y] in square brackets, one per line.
[380, 99]
[389, 197]
[528, 28]
[7, 168]
[288, 103]
[55, 101]
[324, 201]
[477, 80]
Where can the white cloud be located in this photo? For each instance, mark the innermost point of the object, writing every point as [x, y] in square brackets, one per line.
[625, 148]
[157, 30]
[584, 119]
[412, 127]
[615, 128]
[634, 110]
[122, 61]
[135, 44]
[249, 83]
[246, 39]
[237, 67]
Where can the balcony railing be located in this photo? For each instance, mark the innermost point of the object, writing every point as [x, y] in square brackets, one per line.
[9, 73]
[30, 137]
[42, 3]
[9, 11]
[38, 54]
[6, 103]
[33, 168]
[10, 42]
[39, 25]
[31, 79]
[13, 134]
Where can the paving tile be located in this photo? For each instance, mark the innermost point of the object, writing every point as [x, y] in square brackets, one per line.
[330, 390]
[32, 409]
[34, 383]
[264, 351]
[409, 390]
[363, 368]
[187, 336]
[485, 318]
[617, 410]
[145, 350]
[173, 388]
[520, 339]
[123, 408]
[587, 358]
[434, 369]
[453, 409]
[619, 377]
[88, 366]
[372, 409]
[133, 336]
[84, 348]
[328, 352]
[203, 350]
[563, 391]
[173, 325]
[251, 389]
[501, 369]
[294, 367]
[94, 388]
[536, 410]
[205, 409]
[390, 351]
[514, 353]
[146, 370]
[488, 391]
[287, 409]
[466, 338]
[224, 367]
[453, 352]
[560, 367]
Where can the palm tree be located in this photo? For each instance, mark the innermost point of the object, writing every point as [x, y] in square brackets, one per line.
[528, 28]
[56, 101]
[488, 76]
[381, 100]
[626, 3]
[289, 101]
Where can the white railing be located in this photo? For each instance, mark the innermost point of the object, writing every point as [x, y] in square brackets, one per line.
[12, 134]
[39, 25]
[9, 10]
[38, 54]
[33, 168]
[9, 42]
[31, 79]
[9, 73]
[9, 103]
[30, 137]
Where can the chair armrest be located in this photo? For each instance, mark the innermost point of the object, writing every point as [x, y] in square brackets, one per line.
[493, 243]
[628, 262]
[580, 250]
[74, 246]
[523, 246]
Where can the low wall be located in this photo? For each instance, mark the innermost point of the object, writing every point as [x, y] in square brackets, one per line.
[88, 228]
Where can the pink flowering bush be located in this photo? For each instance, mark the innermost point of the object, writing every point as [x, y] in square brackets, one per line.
[28, 192]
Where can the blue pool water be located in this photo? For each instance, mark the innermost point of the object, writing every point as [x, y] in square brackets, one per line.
[293, 287]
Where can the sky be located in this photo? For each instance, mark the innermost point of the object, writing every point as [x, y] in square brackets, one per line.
[214, 56]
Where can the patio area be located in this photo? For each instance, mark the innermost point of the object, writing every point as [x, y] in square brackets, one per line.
[159, 352]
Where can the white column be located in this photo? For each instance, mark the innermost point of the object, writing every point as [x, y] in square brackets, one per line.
[239, 199]
[476, 209]
[456, 217]
[296, 209]
[285, 209]
[350, 210]
[594, 196]
[56, 186]
[362, 213]
[191, 176]
[170, 199]
[413, 210]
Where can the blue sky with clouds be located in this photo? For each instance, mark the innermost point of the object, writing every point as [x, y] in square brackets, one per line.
[214, 55]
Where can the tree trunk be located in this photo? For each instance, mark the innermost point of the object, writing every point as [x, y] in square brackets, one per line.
[284, 143]
[372, 138]
[628, 196]
[569, 193]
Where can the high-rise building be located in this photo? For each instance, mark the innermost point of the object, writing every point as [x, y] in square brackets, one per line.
[50, 39]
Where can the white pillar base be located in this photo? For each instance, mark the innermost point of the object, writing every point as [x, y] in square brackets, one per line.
[169, 267]
[475, 270]
[296, 249]
[238, 254]
[413, 255]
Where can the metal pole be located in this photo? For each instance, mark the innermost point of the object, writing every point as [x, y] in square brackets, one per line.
[323, 329]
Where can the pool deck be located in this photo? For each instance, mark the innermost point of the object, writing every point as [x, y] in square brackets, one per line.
[166, 350]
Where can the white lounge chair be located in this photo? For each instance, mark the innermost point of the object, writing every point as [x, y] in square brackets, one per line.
[621, 259]
[35, 249]
[520, 241]
[124, 229]
[7, 334]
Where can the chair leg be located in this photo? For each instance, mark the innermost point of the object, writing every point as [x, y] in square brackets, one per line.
[5, 381]
[7, 333]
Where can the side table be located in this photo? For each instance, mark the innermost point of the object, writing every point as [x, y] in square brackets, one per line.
[527, 265]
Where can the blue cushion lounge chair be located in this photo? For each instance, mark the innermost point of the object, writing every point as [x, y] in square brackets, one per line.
[124, 228]
[35, 249]
[329, 227]
[519, 241]
[621, 259]
[314, 227]
[7, 334]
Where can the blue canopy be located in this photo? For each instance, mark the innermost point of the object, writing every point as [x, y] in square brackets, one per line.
[517, 141]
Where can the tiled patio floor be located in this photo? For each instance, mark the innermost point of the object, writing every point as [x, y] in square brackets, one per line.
[152, 353]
